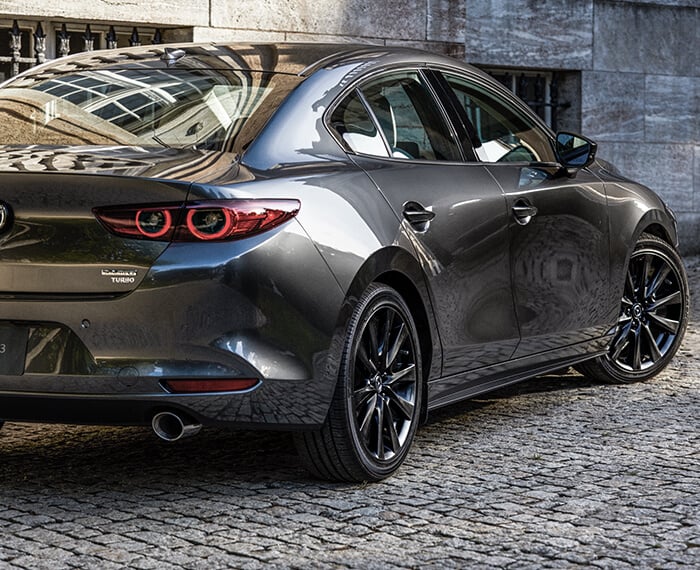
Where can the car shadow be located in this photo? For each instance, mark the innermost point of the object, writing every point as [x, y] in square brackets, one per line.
[559, 381]
[85, 459]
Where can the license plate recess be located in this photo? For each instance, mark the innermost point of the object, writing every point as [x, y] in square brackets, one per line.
[13, 349]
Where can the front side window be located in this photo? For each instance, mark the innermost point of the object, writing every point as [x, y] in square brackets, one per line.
[501, 133]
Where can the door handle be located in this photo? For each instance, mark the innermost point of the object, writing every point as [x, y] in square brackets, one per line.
[523, 211]
[417, 215]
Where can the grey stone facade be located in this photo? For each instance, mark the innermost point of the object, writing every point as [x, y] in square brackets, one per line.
[639, 63]
[630, 69]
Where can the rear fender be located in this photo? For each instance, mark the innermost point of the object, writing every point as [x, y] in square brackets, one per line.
[397, 268]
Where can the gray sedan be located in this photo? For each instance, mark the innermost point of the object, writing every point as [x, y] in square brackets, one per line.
[327, 239]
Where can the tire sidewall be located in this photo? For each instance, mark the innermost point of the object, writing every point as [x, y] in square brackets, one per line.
[375, 298]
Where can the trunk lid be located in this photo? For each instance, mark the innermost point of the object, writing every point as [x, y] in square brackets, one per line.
[52, 245]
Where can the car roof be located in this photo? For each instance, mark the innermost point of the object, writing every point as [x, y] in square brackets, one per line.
[301, 59]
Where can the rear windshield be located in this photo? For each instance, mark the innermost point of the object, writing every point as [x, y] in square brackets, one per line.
[142, 105]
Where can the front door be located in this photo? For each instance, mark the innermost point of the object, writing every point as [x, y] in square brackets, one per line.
[558, 233]
[557, 226]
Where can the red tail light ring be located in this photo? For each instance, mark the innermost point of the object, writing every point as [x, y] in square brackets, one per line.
[154, 223]
[211, 224]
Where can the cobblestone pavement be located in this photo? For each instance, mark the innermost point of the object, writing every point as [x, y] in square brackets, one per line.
[557, 472]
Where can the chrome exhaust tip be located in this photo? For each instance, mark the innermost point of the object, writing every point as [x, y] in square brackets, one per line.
[170, 426]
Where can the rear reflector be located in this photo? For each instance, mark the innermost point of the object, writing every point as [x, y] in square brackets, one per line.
[213, 385]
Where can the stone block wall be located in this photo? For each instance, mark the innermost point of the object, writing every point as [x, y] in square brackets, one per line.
[639, 64]
[641, 100]
[630, 68]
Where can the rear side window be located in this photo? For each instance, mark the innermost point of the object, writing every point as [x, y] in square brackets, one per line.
[409, 118]
[395, 116]
[354, 124]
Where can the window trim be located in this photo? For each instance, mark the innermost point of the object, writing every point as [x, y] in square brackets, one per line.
[455, 111]
[375, 122]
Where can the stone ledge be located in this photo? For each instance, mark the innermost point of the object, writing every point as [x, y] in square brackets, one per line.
[124, 12]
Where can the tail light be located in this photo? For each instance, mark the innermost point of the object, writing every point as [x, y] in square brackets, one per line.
[214, 220]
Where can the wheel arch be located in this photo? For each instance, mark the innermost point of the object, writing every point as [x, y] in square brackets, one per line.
[397, 268]
[658, 230]
[654, 221]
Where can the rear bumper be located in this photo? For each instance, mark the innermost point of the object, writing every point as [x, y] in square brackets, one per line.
[266, 308]
[271, 404]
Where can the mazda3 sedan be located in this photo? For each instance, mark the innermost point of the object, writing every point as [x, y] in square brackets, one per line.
[327, 239]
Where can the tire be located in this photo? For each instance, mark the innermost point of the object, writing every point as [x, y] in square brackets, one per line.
[376, 406]
[653, 316]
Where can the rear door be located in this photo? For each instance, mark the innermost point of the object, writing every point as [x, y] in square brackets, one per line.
[454, 212]
[557, 225]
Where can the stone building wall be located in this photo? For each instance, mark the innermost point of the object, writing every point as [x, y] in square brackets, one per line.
[639, 64]
[630, 68]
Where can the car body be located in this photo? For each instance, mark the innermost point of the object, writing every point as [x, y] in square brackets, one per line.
[199, 234]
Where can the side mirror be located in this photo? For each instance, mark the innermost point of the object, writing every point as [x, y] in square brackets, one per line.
[575, 151]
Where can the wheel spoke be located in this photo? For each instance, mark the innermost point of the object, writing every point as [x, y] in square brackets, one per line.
[642, 283]
[362, 395]
[388, 323]
[380, 428]
[391, 428]
[669, 324]
[629, 284]
[637, 354]
[365, 360]
[366, 422]
[658, 279]
[396, 376]
[672, 299]
[622, 341]
[373, 341]
[393, 351]
[624, 319]
[653, 347]
[402, 404]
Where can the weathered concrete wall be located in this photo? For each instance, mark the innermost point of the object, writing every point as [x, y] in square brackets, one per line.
[633, 69]
[437, 25]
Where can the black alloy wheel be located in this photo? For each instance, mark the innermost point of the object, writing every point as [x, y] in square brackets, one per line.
[653, 315]
[376, 407]
[383, 397]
